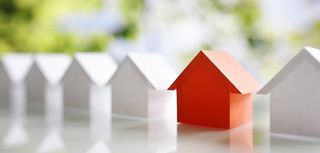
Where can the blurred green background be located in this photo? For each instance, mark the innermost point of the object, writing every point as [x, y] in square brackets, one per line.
[262, 34]
[32, 25]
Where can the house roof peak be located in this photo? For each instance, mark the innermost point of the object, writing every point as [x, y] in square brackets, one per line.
[307, 53]
[228, 66]
[153, 68]
[99, 67]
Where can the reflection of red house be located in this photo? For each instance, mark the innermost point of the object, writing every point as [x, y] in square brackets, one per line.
[215, 91]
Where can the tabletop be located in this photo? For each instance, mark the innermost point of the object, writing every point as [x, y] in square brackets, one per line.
[130, 135]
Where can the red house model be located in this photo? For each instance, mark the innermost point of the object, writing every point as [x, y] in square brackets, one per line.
[215, 91]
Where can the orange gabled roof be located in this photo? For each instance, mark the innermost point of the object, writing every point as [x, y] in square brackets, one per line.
[239, 78]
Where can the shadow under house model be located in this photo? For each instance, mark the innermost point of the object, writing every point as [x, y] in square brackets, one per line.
[215, 91]
[294, 95]
[88, 72]
[139, 87]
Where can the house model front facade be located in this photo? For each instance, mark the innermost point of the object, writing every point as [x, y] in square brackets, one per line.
[294, 95]
[215, 91]
[139, 87]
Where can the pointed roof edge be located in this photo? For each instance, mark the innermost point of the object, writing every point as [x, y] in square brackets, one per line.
[239, 78]
[7, 71]
[36, 63]
[36, 67]
[76, 60]
[186, 72]
[307, 52]
[236, 87]
[2, 68]
[78, 63]
[128, 58]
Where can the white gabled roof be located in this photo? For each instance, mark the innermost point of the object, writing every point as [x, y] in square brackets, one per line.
[307, 53]
[153, 67]
[99, 66]
[53, 66]
[17, 66]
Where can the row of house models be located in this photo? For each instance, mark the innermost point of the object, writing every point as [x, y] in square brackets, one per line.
[214, 90]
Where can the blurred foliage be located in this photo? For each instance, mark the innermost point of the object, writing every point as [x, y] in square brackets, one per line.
[131, 10]
[309, 37]
[31, 25]
[247, 13]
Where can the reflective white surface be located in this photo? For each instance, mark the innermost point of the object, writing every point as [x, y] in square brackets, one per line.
[138, 136]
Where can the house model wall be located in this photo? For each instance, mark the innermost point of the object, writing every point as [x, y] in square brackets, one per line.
[86, 70]
[16, 68]
[35, 83]
[214, 90]
[294, 95]
[139, 87]
[4, 86]
[46, 66]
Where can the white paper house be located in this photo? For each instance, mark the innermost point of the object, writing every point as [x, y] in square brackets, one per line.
[86, 70]
[295, 95]
[52, 68]
[86, 86]
[17, 67]
[139, 87]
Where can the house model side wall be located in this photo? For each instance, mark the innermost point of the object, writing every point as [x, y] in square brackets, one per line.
[240, 109]
[162, 105]
[4, 87]
[295, 101]
[129, 92]
[100, 112]
[35, 83]
[76, 88]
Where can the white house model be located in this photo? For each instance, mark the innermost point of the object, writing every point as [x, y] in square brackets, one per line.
[139, 87]
[294, 95]
[17, 67]
[86, 71]
[52, 68]
[86, 86]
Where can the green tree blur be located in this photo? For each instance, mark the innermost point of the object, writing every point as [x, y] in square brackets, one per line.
[31, 26]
